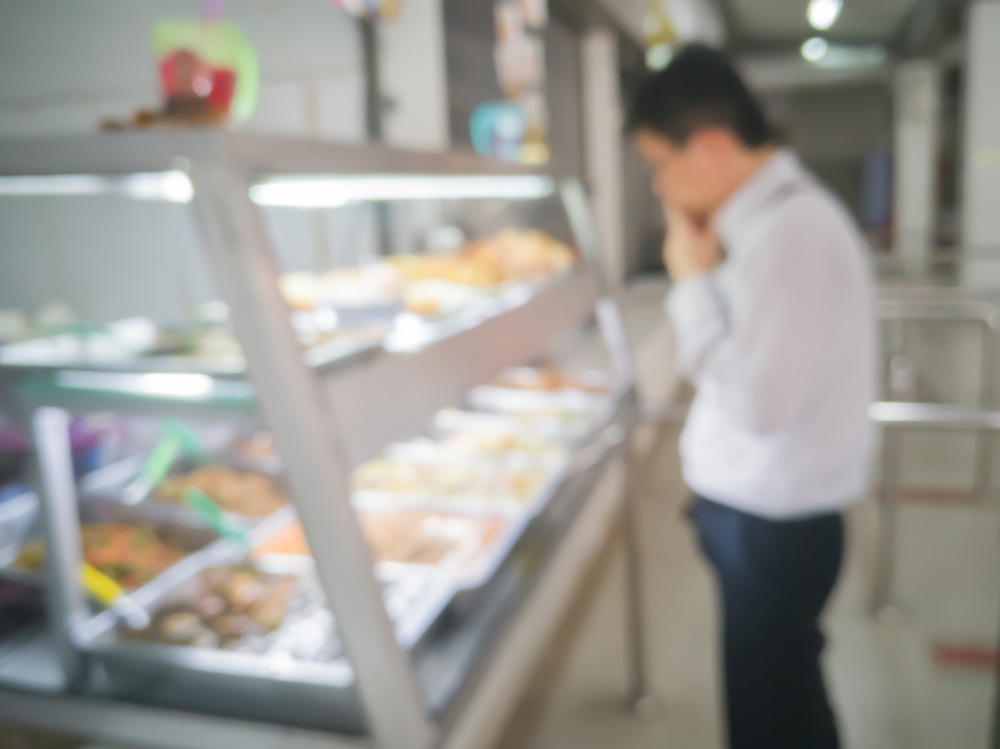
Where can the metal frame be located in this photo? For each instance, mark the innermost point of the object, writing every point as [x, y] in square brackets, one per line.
[902, 379]
[894, 415]
[306, 407]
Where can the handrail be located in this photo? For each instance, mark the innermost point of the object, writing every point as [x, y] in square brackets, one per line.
[899, 414]
[958, 310]
[942, 415]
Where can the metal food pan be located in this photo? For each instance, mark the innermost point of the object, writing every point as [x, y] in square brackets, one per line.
[111, 480]
[485, 562]
[376, 501]
[521, 377]
[412, 611]
[274, 689]
[506, 504]
[512, 400]
[429, 451]
[455, 420]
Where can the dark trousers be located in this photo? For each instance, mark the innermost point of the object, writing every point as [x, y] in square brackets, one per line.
[774, 579]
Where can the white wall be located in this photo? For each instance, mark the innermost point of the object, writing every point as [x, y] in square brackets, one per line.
[981, 217]
[67, 65]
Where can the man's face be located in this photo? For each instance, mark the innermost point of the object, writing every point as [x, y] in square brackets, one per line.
[692, 178]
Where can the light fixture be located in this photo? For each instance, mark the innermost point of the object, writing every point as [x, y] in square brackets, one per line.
[331, 192]
[822, 14]
[162, 384]
[658, 56]
[172, 186]
[814, 49]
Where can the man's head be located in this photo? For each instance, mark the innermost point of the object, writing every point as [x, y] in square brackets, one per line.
[700, 130]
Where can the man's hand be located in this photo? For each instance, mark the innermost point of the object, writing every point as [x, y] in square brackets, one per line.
[691, 247]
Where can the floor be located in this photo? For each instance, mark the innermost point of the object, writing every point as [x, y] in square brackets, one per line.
[888, 690]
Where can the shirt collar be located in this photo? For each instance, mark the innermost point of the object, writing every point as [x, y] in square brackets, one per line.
[779, 170]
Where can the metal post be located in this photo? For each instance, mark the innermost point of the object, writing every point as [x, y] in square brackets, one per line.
[305, 426]
[995, 737]
[886, 543]
[374, 111]
[612, 326]
[639, 694]
[368, 27]
[984, 440]
[61, 527]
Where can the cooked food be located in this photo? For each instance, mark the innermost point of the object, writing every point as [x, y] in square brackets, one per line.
[239, 492]
[244, 610]
[436, 539]
[374, 285]
[546, 380]
[511, 255]
[522, 254]
[289, 540]
[129, 556]
[491, 442]
[481, 480]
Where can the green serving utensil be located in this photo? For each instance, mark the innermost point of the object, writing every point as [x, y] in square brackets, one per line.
[208, 511]
[177, 438]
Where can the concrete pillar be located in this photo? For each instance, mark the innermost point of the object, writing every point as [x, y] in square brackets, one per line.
[981, 172]
[602, 118]
[917, 98]
[414, 77]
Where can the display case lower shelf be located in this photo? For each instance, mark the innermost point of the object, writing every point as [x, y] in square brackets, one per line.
[457, 655]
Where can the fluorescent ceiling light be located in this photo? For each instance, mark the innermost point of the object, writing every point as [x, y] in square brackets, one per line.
[659, 56]
[822, 14]
[173, 186]
[330, 192]
[814, 49]
[166, 384]
[836, 57]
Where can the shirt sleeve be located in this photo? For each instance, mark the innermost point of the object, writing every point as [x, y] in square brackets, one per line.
[763, 359]
[700, 322]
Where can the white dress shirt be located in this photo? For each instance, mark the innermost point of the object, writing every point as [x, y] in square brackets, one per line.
[780, 342]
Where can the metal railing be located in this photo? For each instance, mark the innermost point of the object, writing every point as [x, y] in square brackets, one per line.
[894, 415]
[901, 413]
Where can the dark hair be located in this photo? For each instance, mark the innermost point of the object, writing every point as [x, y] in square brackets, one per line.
[699, 88]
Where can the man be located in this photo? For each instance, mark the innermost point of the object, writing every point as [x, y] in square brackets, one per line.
[772, 306]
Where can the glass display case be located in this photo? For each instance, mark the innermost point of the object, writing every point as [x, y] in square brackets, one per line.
[308, 421]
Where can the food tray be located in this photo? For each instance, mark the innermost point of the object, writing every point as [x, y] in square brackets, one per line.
[111, 480]
[189, 540]
[498, 476]
[540, 380]
[481, 565]
[429, 451]
[278, 688]
[451, 420]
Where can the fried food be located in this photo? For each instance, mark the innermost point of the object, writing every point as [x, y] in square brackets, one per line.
[239, 492]
[481, 480]
[241, 607]
[544, 380]
[129, 556]
[436, 539]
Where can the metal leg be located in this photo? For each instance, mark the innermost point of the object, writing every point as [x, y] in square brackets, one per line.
[886, 543]
[984, 440]
[639, 697]
[995, 737]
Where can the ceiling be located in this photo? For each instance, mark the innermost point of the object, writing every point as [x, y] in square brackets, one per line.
[785, 20]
